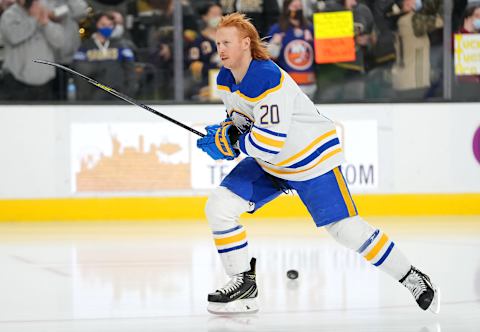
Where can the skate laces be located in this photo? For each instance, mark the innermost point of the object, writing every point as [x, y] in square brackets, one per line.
[415, 284]
[233, 284]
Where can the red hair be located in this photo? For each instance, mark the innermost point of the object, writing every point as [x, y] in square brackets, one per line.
[257, 47]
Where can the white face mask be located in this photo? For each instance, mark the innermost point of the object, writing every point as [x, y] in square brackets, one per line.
[418, 5]
[476, 24]
[118, 31]
[213, 22]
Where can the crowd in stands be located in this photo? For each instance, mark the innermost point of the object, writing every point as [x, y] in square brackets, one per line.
[129, 45]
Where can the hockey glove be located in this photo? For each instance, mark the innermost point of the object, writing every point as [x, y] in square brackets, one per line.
[218, 142]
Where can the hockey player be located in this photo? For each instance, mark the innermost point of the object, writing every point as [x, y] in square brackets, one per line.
[289, 145]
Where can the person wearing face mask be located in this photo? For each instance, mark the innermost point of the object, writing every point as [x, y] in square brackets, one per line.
[106, 60]
[202, 53]
[119, 32]
[471, 19]
[28, 33]
[291, 46]
[466, 87]
[67, 13]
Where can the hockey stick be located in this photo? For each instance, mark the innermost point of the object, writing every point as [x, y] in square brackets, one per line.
[120, 95]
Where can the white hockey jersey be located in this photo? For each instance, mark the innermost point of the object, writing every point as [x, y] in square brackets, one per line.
[282, 129]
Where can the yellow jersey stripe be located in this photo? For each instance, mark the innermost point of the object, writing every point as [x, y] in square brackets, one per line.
[304, 151]
[264, 94]
[231, 239]
[288, 171]
[375, 250]
[344, 191]
[223, 87]
[267, 140]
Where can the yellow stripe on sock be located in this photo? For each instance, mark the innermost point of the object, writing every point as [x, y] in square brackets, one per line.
[231, 239]
[375, 250]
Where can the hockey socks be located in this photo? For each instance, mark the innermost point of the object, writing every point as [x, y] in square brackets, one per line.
[374, 245]
[232, 246]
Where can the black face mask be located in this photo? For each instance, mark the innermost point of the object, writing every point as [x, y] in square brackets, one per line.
[28, 3]
[295, 14]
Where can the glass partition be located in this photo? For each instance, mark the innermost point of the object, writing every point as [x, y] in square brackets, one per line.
[163, 51]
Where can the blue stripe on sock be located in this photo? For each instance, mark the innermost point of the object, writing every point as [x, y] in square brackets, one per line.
[228, 230]
[385, 255]
[221, 251]
[369, 241]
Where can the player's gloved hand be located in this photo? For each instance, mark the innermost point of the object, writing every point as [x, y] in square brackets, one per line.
[218, 142]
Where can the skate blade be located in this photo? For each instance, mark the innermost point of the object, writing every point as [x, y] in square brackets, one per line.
[244, 306]
[435, 305]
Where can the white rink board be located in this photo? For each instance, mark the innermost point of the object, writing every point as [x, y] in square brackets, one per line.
[415, 148]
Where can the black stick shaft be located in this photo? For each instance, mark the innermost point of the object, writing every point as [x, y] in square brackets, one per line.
[120, 95]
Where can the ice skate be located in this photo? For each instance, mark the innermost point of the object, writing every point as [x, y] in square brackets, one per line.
[239, 295]
[425, 293]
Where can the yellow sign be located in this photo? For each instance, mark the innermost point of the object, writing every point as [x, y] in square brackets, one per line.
[333, 25]
[334, 37]
[467, 54]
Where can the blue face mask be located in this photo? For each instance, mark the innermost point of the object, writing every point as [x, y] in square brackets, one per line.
[418, 5]
[476, 24]
[106, 32]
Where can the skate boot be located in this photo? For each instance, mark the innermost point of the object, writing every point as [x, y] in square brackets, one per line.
[239, 295]
[422, 289]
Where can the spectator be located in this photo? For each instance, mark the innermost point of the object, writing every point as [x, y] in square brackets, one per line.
[459, 7]
[4, 4]
[29, 34]
[161, 54]
[428, 20]
[202, 54]
[105, 60]
[67, 13]
[291, 45]
[119, 32]
[467, 86]
[411, 72]
[264, 13]
[350, 81]
[382, 55]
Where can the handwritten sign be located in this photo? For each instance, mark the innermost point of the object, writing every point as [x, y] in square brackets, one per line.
[334, 37]
[467, 54]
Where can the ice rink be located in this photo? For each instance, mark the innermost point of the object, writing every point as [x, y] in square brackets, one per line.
[155, 276]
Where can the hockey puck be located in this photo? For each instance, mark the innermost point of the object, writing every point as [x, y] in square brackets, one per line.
[292, 274]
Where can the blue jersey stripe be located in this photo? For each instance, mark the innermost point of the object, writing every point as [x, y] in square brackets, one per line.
[385, 255]
[270, 132]
[316, 153]
[220, 251]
